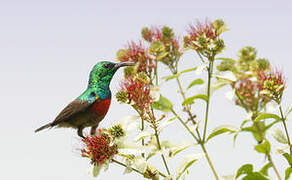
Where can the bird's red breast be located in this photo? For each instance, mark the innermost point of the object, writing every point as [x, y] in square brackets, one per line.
[101, 107]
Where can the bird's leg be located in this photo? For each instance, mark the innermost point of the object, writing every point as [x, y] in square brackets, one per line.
[80, 131]
[93, 130]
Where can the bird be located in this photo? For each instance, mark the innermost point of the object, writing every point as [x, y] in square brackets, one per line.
[90, 108]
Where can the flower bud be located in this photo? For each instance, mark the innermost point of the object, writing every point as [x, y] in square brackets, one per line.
[122, 96]
[116, 131]
[147, 34]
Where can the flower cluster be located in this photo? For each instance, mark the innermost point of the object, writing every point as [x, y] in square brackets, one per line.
[135, 52]
[204, 37]
[136, 91]
[272, 85]
[248, 95]
[255, 84]
[164, 45]
[99, 148]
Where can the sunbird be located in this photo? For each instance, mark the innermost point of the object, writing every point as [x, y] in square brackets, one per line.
[92, 105]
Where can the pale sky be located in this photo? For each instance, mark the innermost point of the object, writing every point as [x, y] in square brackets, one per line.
[47, 49]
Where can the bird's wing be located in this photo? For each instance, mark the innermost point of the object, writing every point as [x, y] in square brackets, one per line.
[72, 109]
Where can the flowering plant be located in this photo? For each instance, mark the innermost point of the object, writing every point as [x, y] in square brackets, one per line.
[254, 85]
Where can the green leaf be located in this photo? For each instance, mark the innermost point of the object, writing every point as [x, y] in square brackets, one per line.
[288, 173]
[163, 104]
[96, 170]
[267, 116]
[223, 129]
[188, 70]
[226, 59]
[255, 176]
[245, 169]
[279, 136]
[187, 162]
[265, 169]
[216, 87]
[190, 100]
[264, 147]
[196, 82]
[176, 150]
[288, 157]
[167, 78]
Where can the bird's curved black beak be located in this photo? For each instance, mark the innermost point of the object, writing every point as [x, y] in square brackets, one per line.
[121, 64]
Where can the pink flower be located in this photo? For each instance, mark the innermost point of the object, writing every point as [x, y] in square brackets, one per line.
[138, 92]
[272, 84]
[98, 148]
[248, 95]
[135, 52]
[204, 30]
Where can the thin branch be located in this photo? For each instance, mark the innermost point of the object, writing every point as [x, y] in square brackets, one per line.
[122, 164]
[285, 127]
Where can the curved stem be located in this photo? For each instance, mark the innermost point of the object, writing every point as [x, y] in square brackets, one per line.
[274, 167]
[285, 127]
[122, 164]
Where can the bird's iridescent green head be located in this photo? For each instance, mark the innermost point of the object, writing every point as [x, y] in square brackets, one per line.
[103, 72]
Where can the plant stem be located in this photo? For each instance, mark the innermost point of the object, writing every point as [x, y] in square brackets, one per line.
[274, 167]
[184, 98]
[154, 126]
[142, 126]
[210, 72]
[184, 124]
[142, 129]
[199, 141]
[122, 164]
[162, 156]
[156, 74]
[285, 127]
[262, 136]
[209, 161]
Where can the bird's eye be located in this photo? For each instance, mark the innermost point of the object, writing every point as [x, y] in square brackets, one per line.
[108, 65]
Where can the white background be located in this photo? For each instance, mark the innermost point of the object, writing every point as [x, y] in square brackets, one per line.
[47, 49]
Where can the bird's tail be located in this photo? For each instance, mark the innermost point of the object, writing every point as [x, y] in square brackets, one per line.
[43, 127]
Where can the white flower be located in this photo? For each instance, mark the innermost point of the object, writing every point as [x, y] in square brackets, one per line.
[130, 123]
[249, 115]
[140, 164]
[201, 68]
[230, 95]
[272, 106]
[281, 150]
[155, 93]
[226, 75]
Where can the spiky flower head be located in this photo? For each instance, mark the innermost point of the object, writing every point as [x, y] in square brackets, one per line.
[135, 52]
[164, 44]
[226, 65]
[248, 95]
[116, 131]
[137, 91]
[272, 84]
[204, 37]
[98, 148]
